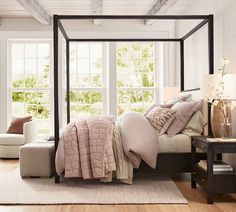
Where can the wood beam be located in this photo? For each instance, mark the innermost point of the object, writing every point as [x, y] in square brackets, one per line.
[160, 7]
[97, 9]
[36, 10]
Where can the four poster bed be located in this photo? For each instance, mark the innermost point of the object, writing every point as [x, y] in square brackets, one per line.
[167, 161]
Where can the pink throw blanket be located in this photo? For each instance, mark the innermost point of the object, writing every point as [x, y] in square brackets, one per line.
[88, 147]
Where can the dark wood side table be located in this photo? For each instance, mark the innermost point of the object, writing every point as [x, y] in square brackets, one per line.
[212, 181]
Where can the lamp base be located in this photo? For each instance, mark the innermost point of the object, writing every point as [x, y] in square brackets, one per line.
[217, 119]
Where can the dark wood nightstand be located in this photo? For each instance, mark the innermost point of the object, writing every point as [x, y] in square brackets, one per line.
[212, 181]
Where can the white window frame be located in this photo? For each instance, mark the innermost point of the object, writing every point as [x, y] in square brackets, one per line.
[10, 41]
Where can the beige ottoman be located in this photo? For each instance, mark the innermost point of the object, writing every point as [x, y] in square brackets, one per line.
[37, 159]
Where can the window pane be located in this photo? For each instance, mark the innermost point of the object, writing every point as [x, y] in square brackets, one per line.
[31, 97]
[96, 65]
[123, 80]
[43, 80]
[83, 51]
[96, 50]
[18, 81]
[83, 65]
[73, 97]
[43, 66]
[95, 80]
[30, 80]
[72, 50]
[30, 50]
[31, 110]
[18, 110]
[83, 110]
[123, 97]
[148, 96]
[17, 66]
[96, 110]
[96, 97]
[17, 96]
[83, 81]
[44, 126]
[43, 51]
[136, 108]
[73, 68]
[135, 80]
[83, 97]
[43, 97]
[30, 65]
[136, 96]
[43, 111]
[17, 50]
[148, 80]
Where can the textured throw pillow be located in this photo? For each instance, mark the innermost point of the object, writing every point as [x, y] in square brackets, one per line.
[195, 125]
[17, 124]
[159, 105]
[182, 98]
[183, 113]
[158, 117]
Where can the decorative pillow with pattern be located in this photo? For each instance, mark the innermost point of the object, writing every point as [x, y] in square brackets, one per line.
[159, 117]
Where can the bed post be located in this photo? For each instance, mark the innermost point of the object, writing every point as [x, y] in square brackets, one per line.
[68, 80]
[182, 65]
[211, 43]
[211, 61]
[56, 112]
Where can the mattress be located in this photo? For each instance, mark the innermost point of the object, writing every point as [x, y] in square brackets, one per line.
[177, 143]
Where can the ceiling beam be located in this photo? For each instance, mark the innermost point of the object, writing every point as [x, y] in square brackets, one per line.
[97, 9]
[36, 10]
[160, 7]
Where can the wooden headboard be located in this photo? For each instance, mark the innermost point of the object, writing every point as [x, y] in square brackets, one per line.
[196, 95]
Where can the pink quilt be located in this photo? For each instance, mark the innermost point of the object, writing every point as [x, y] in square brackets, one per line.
[88, 147]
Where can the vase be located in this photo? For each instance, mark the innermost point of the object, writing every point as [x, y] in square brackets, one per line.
[226, 129]
[217, 120]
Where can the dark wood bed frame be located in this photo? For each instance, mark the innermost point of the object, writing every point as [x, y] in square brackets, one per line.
[166, 162]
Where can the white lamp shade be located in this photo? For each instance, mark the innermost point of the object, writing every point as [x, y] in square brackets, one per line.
[211, 82]
[170, 92]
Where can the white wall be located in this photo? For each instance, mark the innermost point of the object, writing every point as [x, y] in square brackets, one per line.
[225, 38]
[30, 28]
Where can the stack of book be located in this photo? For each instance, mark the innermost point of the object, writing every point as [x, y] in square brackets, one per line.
[217, 166]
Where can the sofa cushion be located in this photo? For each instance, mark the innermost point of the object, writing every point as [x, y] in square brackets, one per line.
[12, 139]
[17, 124]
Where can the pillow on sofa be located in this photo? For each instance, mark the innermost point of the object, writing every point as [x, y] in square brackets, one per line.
[183, 113]
[195, 125]
[17, 123]
[160, 118]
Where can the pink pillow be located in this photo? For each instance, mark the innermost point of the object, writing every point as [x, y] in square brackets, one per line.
[183, 113]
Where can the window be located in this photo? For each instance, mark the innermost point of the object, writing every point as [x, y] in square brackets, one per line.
[29, 65]
[86, 79]
[136, 76]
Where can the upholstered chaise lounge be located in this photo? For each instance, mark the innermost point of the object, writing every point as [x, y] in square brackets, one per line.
[11, 143]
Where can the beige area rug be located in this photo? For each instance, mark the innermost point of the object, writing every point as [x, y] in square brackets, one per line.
[146, 189]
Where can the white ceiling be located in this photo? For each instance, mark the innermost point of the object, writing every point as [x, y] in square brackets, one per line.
[11, 8]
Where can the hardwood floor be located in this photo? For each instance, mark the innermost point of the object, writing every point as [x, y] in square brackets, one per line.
[196, 198]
